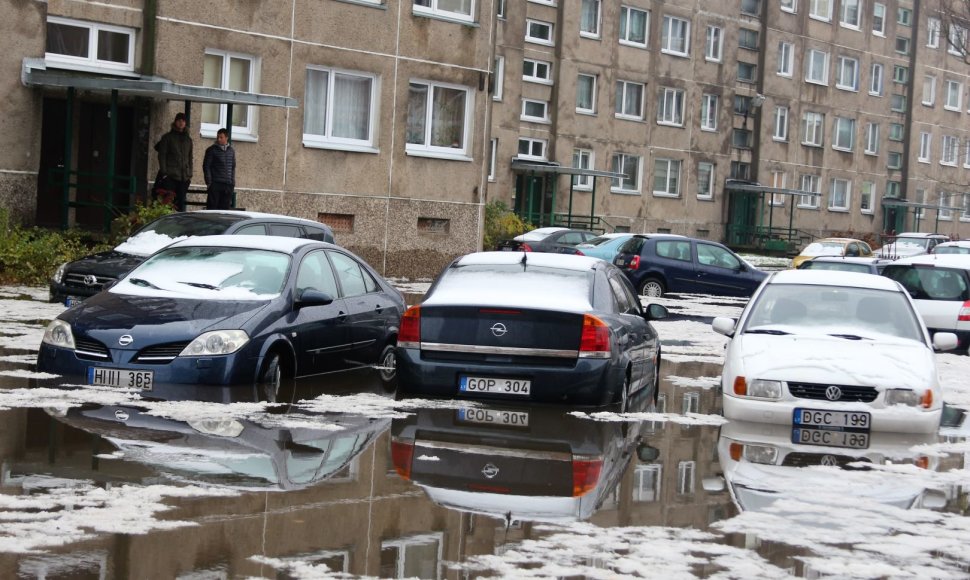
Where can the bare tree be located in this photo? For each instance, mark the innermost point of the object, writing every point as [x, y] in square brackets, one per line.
[954, 18]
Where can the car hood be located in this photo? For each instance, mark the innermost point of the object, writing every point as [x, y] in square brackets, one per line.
[825, 359]
[111, 263]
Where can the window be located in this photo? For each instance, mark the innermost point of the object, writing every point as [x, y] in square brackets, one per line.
[779, 179]
[875, 79]
[666, 177]
[705, 180]
[920, 197]
[747, 72]
[849, 16]
[965, 216]
[751, 7]
[685, 477]
[90, 44]
[499, 78]
[900, 74]
[532, 149]
[629, 166]
[634, 24]
[748, 38]
[339, 109]
[226, 70]
[583, 159]
[843, 137]
[866, 194]
[893, 188]
[646, 484]
[812, 128]
[589, 18]
[412, 556]
[966, 161]
[671, 107]
[902, 45]
[781, 124]
[894, 160]
[933, 27]
[536, 71]
[786, 58]
[690, 403]
[879, 19]
[461, 10]
[538, 32]
[500, 8]
[847, 74]
[897, 103]
[709, 105]
[924, 147]
[810, 183]
[945, 213]
[741, 138]
[492, 158]
[872, 139]
[535, 111]
[957, 43]
[740, 170]
[839, 194]
[929, 90]
[951, 146]
[675, 36]
[820, 9]
[714, 45]
[790, 6]
[629, 100]
[896, 132]
[817, 67]
[904, 16]
[439, 118]
[954, 95]
[586, 94]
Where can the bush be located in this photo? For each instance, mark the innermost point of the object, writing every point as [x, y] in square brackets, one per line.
[125, 225]
[501, 224]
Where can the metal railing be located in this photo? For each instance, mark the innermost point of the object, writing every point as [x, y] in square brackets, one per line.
[100, 188]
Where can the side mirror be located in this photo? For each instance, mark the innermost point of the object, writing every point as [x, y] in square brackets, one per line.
[933, 499]
[647, 453]
[313, 297]
[713, 484]
[945, 341]
[724, 325]
[655, 312]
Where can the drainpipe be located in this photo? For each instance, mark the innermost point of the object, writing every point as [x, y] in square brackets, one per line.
[149, 12]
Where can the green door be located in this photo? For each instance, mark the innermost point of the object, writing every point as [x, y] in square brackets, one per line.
[743, 207]
[534, 199]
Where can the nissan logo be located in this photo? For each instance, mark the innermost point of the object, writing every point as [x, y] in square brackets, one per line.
[125, 340]
[498, 329]
[121, 415]
[833, 393]
[489, 470]
[90, 280]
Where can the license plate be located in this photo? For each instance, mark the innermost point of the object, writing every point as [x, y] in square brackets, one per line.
[828, 438]
[497, 386]
[71, 301]
[506, 248]
[494, 417]
[123, 378]
[835, 420]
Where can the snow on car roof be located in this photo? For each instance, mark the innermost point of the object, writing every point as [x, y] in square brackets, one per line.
[272, 243]
[563, 261]
[948, 260]
[834, 278]
[259, 215]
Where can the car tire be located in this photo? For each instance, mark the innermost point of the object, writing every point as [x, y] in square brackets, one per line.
[656, 381]
[651, 287]
[625, 393]
[270, 386]
[388, 360]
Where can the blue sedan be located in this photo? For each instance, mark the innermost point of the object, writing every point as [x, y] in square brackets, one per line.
[228, 310]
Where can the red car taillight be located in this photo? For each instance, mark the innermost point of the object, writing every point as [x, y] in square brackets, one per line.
[410, 334]
[586, 472]
[595, 340]
[635, 263]
[525, 248]
[580, 253]
[401, 454]
[964, 315]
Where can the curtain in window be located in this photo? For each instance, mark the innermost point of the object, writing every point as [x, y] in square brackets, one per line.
[351, 107]
[584, 93]
[448, 118]
[417, 113]
[589, 16]
[239, 81]
[315, 102]
[457, 6]
[113, 46]
[67, 40]
[634, 22]
[211, 77]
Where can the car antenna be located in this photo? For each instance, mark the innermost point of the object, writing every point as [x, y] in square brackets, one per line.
[524, 256]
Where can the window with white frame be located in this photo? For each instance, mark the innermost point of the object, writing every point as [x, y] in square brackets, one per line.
[586, 94]
[811, 184]
[954, 95]
[690, 403]
[413, 556]
[957, 43]
[709, 106]
[438, 119]
[849, 15]
[493, 156]
[817, 67]
[233, 71]
[875, 79]
[339, 109]
[538, 32]
[671, 107]
[920, 198]
[894, 160]
[666, 177]
[714, 44]
[89, 44]
[685, 477]
[945, 213]
[879, 19]
[500, 8]
[812, 128]
[790, 6]
[629, 100]
[843, 135]
[781, 124]
[872, 139]
[589, 18]
[646, 483]
[966, 157]
[951, 150]
[847, 74]
[779, 180]
[535, 111]
[675, 36]
[705, 180]
[583, 159]
[536, 71]
[499, 78]
[634, 24]
[867, 192]
[839, 194]
[924, 147]
[629, 166]
[786, 58]
[463, 10]
[929, 90]
[530, 148]
[933, 28]
[820, 9]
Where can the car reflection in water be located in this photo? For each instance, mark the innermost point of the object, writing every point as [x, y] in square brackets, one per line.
[527, 463]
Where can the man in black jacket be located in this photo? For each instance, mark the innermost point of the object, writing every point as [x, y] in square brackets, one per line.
[175, 160]
[219, 169]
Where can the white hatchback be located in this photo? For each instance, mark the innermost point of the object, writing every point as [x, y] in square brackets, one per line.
[940, 287]
[841, 351]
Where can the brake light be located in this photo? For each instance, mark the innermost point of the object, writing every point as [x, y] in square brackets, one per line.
[635, 263]
[927, 400]
[586, 472]
[740, 386]
[525, 248]
[580, 253]
[964, 315]
[402, 453]
[410, 334]
[595, 340]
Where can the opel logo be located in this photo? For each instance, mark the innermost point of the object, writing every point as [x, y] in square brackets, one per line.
[90, 280]
[121, 415]
[125, 340]
[829, 461]
[833, 393]
[499, 330]
[489, 470]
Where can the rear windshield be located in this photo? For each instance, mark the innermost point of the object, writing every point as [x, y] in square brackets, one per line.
[598, 240]
[515, 285]
[951, 250]
[838, 266]
[824, 249]
[189, 224]
[930, 283]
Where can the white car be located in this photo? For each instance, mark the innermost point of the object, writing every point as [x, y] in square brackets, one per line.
[954, 247]
[911, 244]
[940, 287]
[842, 351]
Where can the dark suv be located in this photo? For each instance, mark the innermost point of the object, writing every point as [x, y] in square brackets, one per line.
[75, 281]
[659, 263]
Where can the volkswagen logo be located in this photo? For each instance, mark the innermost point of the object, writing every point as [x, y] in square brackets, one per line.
[90, 280]
[829, 461]
[833, 393]
[489, 470]
[125, 340]
[499, 330]
[121, 415]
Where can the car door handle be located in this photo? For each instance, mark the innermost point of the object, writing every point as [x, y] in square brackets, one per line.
[341, 316]
[379, 309]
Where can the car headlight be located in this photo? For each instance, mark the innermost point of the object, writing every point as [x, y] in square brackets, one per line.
[219, 427]
[764, 389]
[58, 276]
[216, 342]
[764, 454]
[58, 333]
[906, 397]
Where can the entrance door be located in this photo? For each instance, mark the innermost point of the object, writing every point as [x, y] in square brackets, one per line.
[93, 153]
[49, 190]
[533, 199]
[743, 210]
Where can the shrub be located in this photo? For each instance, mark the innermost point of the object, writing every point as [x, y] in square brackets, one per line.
[125, 225]
[501, 223]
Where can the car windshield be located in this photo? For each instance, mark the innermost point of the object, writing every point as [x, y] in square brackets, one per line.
[599, 240]
[848, 312]
[930, 283]
[173, 227]
[515, 285]
[209, 273]
[536, 235]
[915, 243]
[951, 250]
[824, 249]
[839, 266]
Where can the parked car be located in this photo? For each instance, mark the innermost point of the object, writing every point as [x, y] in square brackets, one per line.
[846, 247]
[606, 246]
[864, 265]
[955, 247]
[832, 350]
[938, 284]
[530, 327]
[551, 240]
[228, 310]
[659, 263]
[911, 244]
[80, 279]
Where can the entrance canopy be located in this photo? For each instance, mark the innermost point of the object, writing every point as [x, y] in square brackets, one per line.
[747, 227]
[535, 208]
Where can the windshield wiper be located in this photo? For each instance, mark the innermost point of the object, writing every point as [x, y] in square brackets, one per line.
[142, 282]
[850, 336]
[773, 331]
[201, 285]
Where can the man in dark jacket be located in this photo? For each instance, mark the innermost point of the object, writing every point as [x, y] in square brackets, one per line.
[175, 160]
[219, 169]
